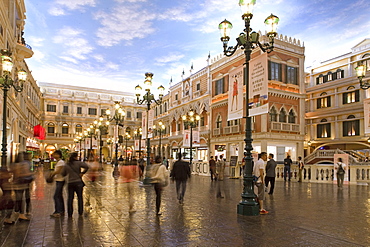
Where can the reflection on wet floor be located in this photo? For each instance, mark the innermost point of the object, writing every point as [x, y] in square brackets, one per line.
[301, 214]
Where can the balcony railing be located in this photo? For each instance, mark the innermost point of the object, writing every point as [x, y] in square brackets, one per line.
[285, 127]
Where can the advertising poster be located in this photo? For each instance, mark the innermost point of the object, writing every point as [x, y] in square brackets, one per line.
[186, 139]
[94, 143]
[78, 147]
[143, 125]
[345, 161]
[258, 85]
[137, 145]
[87, 143]
[367, 115]
[235, 99]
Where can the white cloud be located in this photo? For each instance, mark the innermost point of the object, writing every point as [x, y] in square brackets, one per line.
[38, 55]
[69, 59]
[60, 6]
[124, 23]
[169, 58]
[36, 41]
[76, 46]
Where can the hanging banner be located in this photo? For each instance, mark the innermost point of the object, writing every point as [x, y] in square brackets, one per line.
[186, 138]
[196, 137]
[367, 115]
[258, 85]
[235, 99]
[78, 147]
[150, 123]
[143, 125]
[94, 143]
[87, 143]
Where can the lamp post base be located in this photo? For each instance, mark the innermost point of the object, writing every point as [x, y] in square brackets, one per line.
[248, 209]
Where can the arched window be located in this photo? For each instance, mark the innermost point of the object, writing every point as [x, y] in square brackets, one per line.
[291, 116]
[65, 128]
[282, 116]
[78, 128]
[273, 114]
[351, 127]
[128, 130]
[352, 96]
[219, 122]
[323, 129]
[51, 128]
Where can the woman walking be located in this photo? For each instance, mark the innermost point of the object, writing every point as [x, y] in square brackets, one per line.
[158, 172]
[75, 169]
[59, 184]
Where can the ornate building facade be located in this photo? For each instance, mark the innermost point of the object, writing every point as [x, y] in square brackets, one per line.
[69, 110]
[23, 108]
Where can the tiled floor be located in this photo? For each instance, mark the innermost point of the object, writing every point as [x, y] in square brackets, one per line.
[305, 214]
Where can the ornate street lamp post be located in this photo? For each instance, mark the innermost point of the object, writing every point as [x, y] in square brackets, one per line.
[118, 118]
[138, 133]
[191, 120]
[90, 133]
[161, 128]
[247, 41]
[127, 138]
[6, 82]
[148, 99]
[103, 128]
[79, 140]
[361, 70]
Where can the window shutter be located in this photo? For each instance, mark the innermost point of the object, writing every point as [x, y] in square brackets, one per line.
[286, 76]
[344, 98]
[357, 96]
[342, 74]
[317, 81]
[280, 72]
[269, 69]
[329, 101]
[318, 103]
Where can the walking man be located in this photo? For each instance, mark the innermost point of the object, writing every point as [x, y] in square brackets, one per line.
[220, 167]
[180, 172]
[212, 168]
[340, 169]
[258, 171]
[270, 173]
[300, 168]
[287, 163]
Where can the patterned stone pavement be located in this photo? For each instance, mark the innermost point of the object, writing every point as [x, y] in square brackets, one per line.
[307, 214]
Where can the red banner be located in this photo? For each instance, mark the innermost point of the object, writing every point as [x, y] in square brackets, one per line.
[39, 132]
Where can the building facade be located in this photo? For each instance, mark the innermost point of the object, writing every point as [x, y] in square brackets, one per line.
[70, 110]
[336, 116]
[23, 108]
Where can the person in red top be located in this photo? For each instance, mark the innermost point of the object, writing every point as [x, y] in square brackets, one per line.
[129, 174]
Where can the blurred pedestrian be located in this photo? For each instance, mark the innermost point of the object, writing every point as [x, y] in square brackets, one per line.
[158, 179]
[75, 170]
[59, 184]
[22, 177]
[220, 168]
[258, 172]
[300, 168]
[212, 168]
[180, 173]
[6, 202]
[270, 173]
[340, 169]
[165, 162]
[141, 162]
[94, 165]
[129, 174]
[287, 163]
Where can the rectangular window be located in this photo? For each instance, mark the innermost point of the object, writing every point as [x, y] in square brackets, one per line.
[51, 108]
[65, 109]
[198, 86]
[51, 129]
[176, 97]
[102, 112]
[323, 130]
[201, 121]
[292, 75]
[79, 110]
[275, 71]
[92, 111]
[323, 102]
[351, 97]
[219, 86]
[128, 114]
[139, 115]
[351, 128]
[178, 127]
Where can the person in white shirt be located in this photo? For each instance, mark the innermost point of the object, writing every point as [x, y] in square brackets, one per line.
[59, 184]
[340, 168]
[259, 172]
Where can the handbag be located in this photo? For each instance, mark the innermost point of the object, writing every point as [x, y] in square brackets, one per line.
[49, 179]
[25, 179]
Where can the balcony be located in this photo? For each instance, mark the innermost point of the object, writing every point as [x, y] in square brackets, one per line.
[217, 132]
[285, 127]
[24, 50]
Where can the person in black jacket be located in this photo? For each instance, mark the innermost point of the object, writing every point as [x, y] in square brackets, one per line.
[287, 163]
[180, 172]
[75, 183]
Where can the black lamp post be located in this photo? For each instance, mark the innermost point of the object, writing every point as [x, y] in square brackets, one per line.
[361, 73]
[247, 41]
[127, 138]
[161, 128]
[90, 133]
[103, 128]
[6, 82]
[79, 140]
[148, 99]
[118, 118]
[191, 120]
[138, 133]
